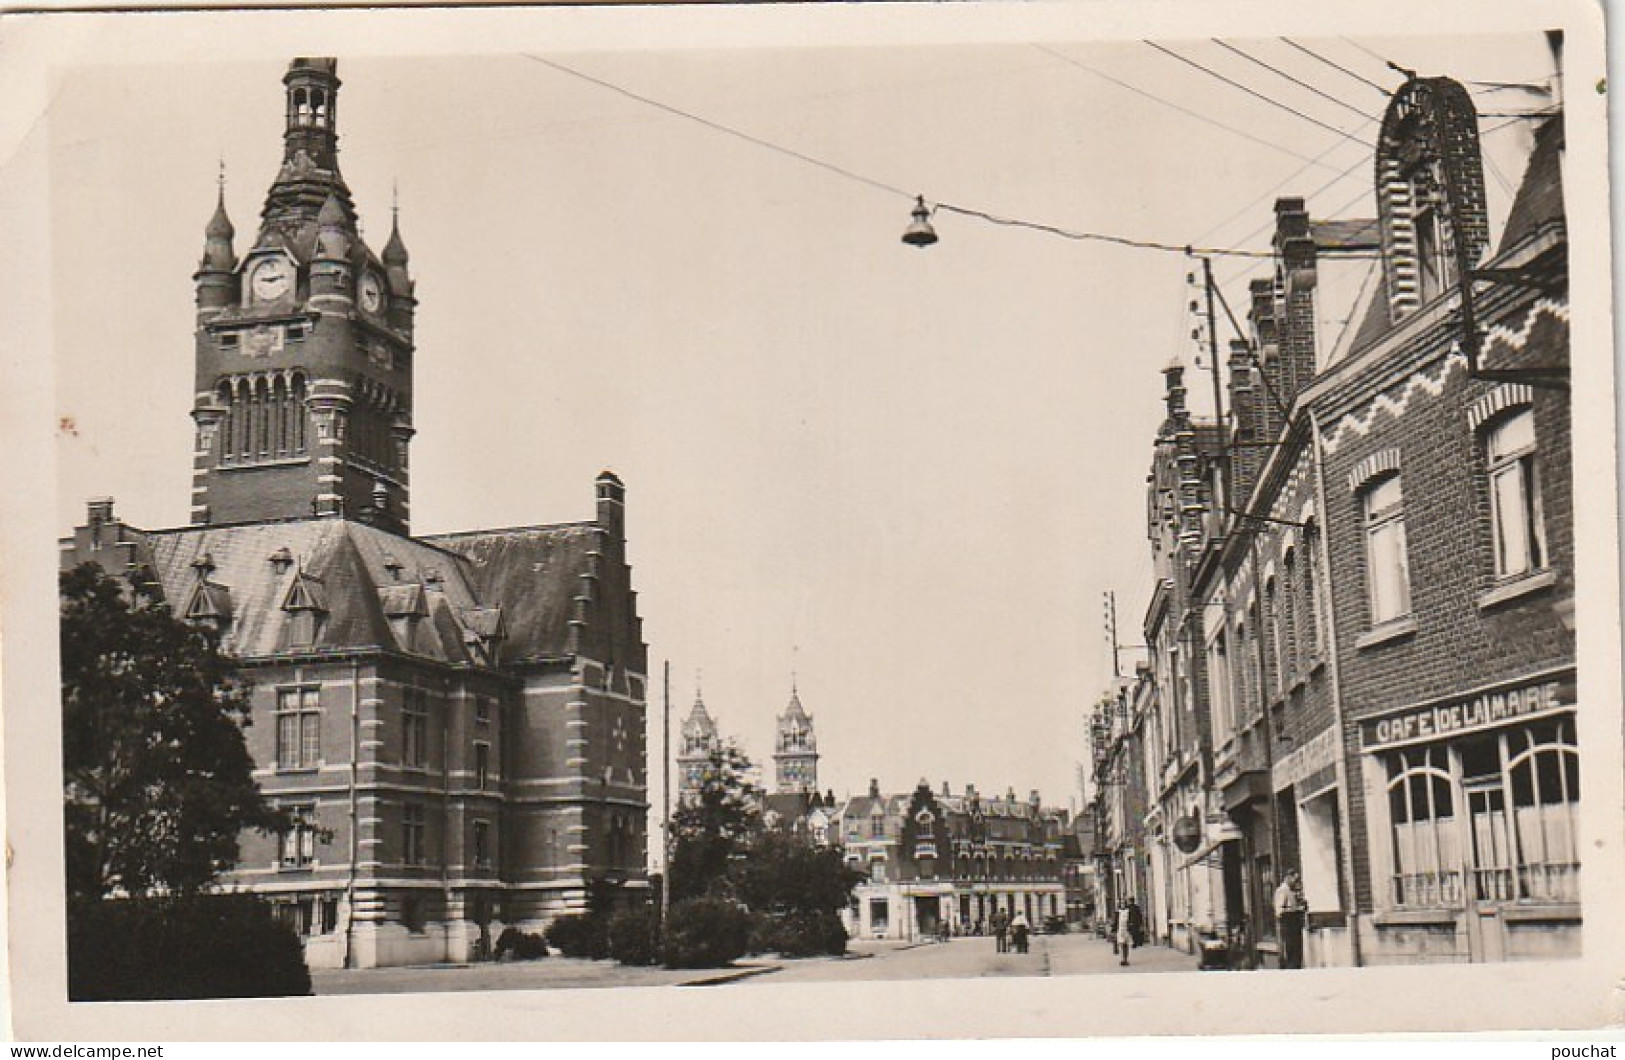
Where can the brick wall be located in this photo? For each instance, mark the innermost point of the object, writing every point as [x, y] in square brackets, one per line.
[1458, 644]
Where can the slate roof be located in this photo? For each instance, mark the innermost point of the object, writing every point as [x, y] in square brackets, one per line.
[343, 567]
[1540, 194]
[534, 573]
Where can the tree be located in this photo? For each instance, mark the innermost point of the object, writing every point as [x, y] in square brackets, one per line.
[157, 778]
[714, 826]
[786, 875]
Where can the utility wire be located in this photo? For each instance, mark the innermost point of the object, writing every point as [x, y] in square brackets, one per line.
[1143, 244]
[719, 127]
[1175, 106]
[1284, 181]
[1351, 73]
[1296, 81]
[1335, 66]
[1254, 93]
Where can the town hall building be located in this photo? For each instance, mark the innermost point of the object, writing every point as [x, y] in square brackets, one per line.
[457, 721]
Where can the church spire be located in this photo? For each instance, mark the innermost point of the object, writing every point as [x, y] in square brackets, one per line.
[795, 750]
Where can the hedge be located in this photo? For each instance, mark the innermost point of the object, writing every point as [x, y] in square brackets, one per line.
[198, 946]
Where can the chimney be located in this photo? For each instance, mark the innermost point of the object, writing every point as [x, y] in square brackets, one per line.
[1295, 250]
[1189, 489]
[98, 510]
[612, 505]
[1246, 457]
[874, 788]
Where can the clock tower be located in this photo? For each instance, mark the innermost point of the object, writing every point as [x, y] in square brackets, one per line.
[303, 400]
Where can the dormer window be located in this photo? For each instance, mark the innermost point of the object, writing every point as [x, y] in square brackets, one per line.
[210, 606]
[1430, 192]
[305, 611]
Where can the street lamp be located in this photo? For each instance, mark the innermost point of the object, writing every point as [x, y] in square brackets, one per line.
[919, 232]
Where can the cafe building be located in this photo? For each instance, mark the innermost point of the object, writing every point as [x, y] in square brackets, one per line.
[1444, 437]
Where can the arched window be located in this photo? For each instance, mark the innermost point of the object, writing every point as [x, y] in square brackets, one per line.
[1310, 578]
[224, 435]
[1544, 768]
[298, 400]
[1421, 808]
[1430, 191]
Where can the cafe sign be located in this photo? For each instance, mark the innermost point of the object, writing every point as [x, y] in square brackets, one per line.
[1484, 710]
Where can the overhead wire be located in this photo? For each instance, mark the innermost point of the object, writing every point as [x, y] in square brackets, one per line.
[1169, 103]
[1254, 93]
[1144, 244]
[719, 127]
[1338, 66]
[1295, 80]
[1283, 182]
[1351, 73]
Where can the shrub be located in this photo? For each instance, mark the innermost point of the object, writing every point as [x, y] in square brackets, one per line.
[706, 933]
[800, 934]
[811, 935]
[197, 946]
[520, 945]
[634, 936]
[580, 935]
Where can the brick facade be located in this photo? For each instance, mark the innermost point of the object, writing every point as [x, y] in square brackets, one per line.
[1417, 766]
[460, 719]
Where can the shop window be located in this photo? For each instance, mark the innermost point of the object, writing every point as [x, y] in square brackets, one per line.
[1544, 770]
[1515, 502]
[1387, 570]
[1421, 806]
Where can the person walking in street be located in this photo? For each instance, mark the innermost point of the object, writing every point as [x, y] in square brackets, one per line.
[1136, 924]
[1019, 929]
[1000, 923]
[1290, 909]
[1123, 938]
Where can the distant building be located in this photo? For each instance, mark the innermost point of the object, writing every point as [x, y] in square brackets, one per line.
[461, 716]
[938, 861]
[699, 740]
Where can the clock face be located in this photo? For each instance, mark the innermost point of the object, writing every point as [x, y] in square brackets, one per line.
[372, 292]
[270, 280]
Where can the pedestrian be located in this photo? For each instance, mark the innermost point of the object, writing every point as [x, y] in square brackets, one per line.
[1124, 938]
[1290, 909]
[1000, 923]
[1018, 931]
[1136, 923]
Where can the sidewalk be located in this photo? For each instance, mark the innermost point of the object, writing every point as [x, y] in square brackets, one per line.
[549, 973]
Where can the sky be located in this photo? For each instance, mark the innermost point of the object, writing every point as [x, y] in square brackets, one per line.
[905, 476]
